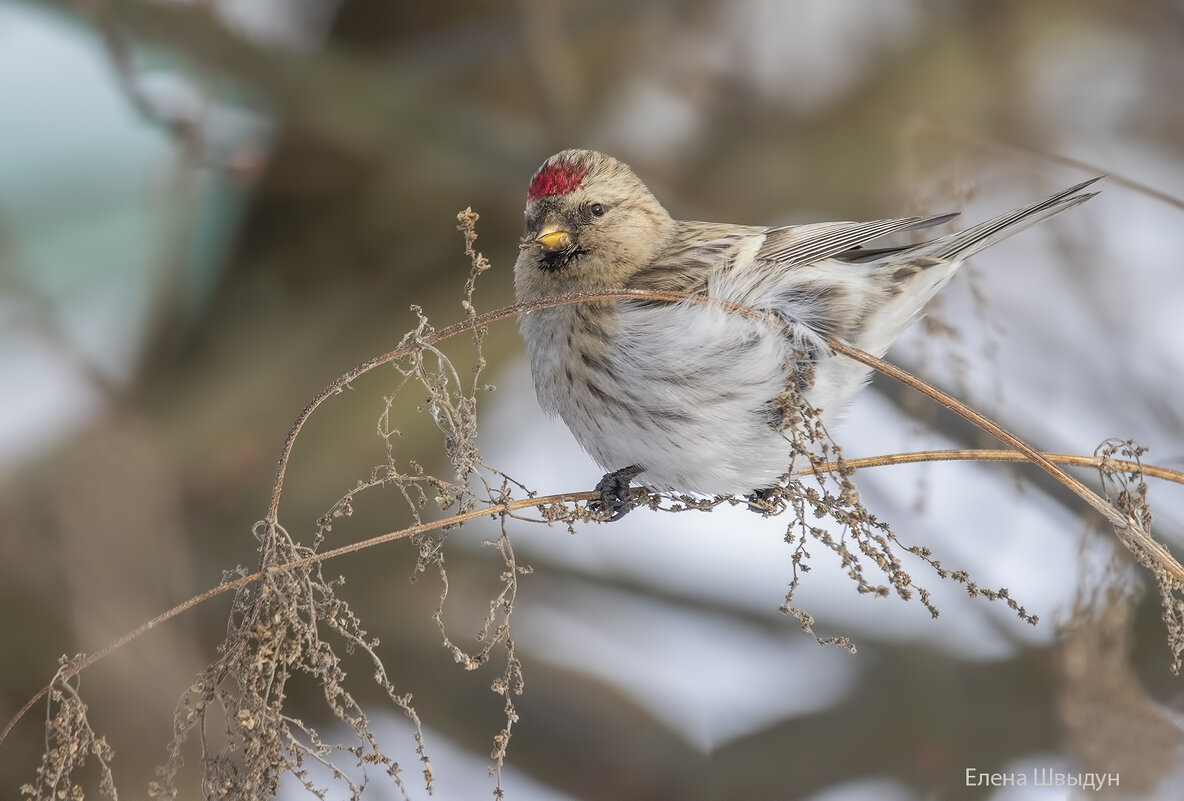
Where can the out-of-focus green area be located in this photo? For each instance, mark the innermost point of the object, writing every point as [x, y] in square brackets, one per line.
[206, 216]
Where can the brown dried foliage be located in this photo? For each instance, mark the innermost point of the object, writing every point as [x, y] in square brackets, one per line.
[288, 620]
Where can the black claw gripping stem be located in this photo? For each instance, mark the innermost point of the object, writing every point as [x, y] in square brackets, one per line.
[614, 492]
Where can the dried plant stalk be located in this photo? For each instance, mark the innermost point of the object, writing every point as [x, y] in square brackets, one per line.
[287, 617]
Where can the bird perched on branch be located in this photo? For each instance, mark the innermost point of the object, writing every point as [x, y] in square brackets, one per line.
[684, 396]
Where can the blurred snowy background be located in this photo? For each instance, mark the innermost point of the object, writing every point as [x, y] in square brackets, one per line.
[208, 210]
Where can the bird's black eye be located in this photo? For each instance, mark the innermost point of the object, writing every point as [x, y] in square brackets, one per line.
[596, 209]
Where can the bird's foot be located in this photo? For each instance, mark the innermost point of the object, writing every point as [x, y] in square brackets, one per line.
[614, 492]
[767, 501]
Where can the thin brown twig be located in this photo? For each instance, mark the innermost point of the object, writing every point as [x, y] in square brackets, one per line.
[925, 124]
[134, 634]
[1022, 452]
[990, 455]
[470, 324]
[913, 457]
[1120, 521]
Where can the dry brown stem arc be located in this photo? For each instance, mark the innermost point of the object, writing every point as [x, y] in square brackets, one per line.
[1122, 522]
[1022, 452]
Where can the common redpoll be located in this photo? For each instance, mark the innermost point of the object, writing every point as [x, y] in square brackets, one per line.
[683, 396]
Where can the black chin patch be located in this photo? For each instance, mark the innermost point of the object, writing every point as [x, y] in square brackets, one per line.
[555, 260]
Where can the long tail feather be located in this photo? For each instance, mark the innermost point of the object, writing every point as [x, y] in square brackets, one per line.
[966, 243]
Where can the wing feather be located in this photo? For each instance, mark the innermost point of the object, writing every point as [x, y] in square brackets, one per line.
[795, 245]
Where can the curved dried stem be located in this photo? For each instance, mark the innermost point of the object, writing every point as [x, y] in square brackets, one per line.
[1124, 524]
[991, 455]
[923, 124]
[473, 323]
[912, 457]
[1021, 452]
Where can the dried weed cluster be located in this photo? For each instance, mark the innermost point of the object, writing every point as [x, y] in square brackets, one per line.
[69, 742]
[288, 620]
[826, 494]
[287, 623]
[1126, 490]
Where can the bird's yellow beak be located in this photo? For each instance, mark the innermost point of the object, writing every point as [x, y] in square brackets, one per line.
[552, 238]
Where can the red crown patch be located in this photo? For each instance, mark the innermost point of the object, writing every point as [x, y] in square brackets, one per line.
[557, 179]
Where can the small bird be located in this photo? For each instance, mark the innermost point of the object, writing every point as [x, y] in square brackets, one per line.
[683, 396]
